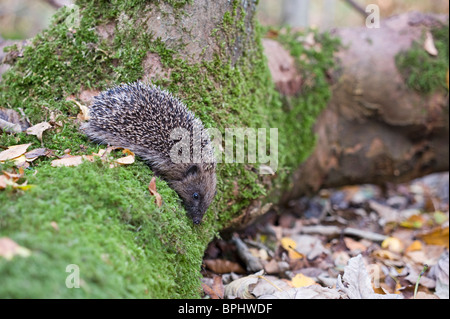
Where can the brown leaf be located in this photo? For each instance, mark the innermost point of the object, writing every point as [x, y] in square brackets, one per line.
[13, 152]
[438, 236]
[393, 244]
[68, 160]
[300, 280]
[221, 266]
[9, 249]
[152, 190]
[429, 44]
[38, 129]
[37, 152]
[353, 245]
[217, 289]
[14, 176]
[84, 110]
[127, 160]
[11, 179]
[3, 181]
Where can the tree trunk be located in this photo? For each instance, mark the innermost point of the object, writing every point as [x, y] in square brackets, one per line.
[376, 128]
[208, 54]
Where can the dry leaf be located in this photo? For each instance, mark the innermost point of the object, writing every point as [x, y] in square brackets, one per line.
[309, 246]
[13, 152]
[23, 186]
[14, 176]
[393, 244]
[353, 245]
[301, 280]
[10, 179]
[414, 221]
[289, 244]
[216, 291]
[440, 272]
[429, 44]
[68, 160]
[38, 129]
[37, 152]
[424, 295]
[127, 160]
[127, 151]
[222, 266]
[84, 114]
[276, 267]
[152, 189]
[9, 249]
[415, 246]
[310, 292]
[386, 254]
[358, 284]
[438, 236]
[3, 181]
[241, 288]
[20, 161]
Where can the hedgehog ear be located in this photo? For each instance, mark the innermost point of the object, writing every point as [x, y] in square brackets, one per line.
[192, 170]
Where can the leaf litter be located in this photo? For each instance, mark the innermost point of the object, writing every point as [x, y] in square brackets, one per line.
[356, 242]
[21, 159]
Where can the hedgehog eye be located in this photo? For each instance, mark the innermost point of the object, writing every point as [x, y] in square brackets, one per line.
[195, 196]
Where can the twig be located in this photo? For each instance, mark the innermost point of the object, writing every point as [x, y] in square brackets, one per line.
[250, 261]
[425, 268]
[357, 7]
[336, 231]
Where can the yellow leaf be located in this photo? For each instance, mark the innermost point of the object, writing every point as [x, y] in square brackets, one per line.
[290, 245]
[24, 187]
[392, 244]
[287, 243]
[415, 246]
[127, 151]
[125, 160]
[301, 280]
[415, 221]
[438, 236]
[13, 152]
[20, 160]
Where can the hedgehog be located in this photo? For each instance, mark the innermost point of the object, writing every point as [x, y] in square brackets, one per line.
[148, 120]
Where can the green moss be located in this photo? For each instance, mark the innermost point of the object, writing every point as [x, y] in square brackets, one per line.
[108, 223]
[300, 112]
[421, 71]
[111, 235]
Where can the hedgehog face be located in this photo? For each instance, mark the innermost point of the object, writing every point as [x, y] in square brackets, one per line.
[197, 190]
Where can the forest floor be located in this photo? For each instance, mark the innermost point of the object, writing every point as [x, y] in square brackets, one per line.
[354, 242]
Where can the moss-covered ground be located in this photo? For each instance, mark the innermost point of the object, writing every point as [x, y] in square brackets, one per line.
[104, 220]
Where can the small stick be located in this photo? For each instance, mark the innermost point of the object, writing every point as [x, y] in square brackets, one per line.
[425, 268]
